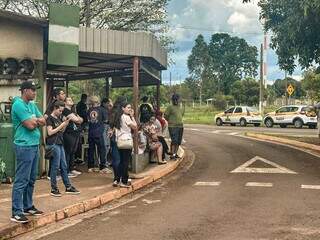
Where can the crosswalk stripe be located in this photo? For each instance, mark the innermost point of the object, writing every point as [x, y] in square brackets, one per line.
[257, 184]
[316, 187]
[233, 133]
[207, 183]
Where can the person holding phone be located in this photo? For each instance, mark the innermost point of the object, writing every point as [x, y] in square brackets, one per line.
[55, 130]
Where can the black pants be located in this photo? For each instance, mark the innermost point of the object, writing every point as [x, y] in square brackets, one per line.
[71, 141]
[125, 155]
[99, 142]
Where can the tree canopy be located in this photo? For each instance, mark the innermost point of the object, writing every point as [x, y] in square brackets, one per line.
[220, 63]
[295, 31]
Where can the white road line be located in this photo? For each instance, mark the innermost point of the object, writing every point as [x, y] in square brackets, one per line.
[257, 184]
[207, 183]
[316, 187]
[233, 133]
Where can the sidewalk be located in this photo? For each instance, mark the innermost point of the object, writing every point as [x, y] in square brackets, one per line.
[96, 190]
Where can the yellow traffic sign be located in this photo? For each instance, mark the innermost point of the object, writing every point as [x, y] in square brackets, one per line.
[290, 89]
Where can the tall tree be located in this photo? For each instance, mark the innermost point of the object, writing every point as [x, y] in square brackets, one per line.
[295, 31]
[311, 84]
[232, 59]
[198, 62]
[246, 91]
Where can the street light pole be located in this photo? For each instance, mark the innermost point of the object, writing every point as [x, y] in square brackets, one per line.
[261, 80]
[286, 86]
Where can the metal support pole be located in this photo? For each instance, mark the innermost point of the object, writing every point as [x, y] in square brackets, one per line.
[67, 88]
[158, 96]
[286, 86]
[261, 80]
[107, 88]
[136, 63]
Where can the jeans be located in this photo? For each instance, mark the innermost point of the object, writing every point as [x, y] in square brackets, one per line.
[99, 142]
[59, 159]
[115, 158]
[125, 155]
[26, 172]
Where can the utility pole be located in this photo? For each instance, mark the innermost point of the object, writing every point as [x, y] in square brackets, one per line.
[286, 86]
[261, 80]
[170, 79]
[200, 92]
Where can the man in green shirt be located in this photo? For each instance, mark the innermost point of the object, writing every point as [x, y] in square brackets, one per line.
[174, 115]
[26, 119]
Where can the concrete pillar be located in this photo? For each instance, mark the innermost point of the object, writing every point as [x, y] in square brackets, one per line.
[136, 66]
[158, 96]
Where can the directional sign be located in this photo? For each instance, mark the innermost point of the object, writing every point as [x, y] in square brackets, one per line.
[290, 89]
[276, 168]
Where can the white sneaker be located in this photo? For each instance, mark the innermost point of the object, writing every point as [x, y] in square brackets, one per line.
[71, 175]
[75, 172]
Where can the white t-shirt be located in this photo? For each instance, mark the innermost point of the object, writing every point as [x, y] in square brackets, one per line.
[125, 130]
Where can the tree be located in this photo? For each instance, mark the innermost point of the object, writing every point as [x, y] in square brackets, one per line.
[198, 62]
[280, 87]
[311, 84]
[246, 92]
[294, 25]
[232, 59]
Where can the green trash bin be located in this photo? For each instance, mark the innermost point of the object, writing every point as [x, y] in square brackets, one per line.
[6, 148]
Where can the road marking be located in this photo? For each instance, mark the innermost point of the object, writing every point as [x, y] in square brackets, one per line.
[233, 133]
[316, 187]
[244, 168]
[146, 201]
[257, 184]
[207, 183]
[194, 129]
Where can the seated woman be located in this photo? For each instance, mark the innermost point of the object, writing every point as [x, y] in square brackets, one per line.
[160, 135]
[153, 141]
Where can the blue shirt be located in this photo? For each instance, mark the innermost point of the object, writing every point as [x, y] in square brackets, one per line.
[22, 111]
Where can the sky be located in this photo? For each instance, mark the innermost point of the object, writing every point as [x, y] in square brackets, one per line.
[189, 18]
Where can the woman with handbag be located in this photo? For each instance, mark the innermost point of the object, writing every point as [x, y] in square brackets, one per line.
[124, 124]
[55, 129]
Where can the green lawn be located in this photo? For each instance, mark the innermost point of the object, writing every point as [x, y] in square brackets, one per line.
[199, 115]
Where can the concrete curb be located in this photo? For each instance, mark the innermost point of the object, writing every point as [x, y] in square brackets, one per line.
[13, 230]
[302, 145]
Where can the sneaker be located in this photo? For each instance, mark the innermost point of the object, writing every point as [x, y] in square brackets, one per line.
[115, 183]
[55, 193]
[76, 172]
[19, 218]
[58, 178]
[32, 212]
[90, 170]
[125, 185]
[79, 161]
[72, 190]
[105, 170]
[71, 175]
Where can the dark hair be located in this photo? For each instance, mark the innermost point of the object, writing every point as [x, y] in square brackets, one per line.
[117, 113]
[58, 104]
[56, 92]
[84, 96]
[144, 99]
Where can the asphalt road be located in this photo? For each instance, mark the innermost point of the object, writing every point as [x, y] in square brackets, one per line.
[208, 201]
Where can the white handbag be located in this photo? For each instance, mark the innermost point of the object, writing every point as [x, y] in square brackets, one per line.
[123, 141]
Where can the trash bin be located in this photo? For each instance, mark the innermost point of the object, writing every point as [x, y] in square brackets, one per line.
[6, 148]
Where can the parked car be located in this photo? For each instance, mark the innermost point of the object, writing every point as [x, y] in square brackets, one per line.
[297, 115]
[242, 115]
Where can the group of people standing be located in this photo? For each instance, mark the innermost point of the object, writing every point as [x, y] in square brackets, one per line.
[110, 131]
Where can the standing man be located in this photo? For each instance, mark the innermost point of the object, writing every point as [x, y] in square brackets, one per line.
[174, 116]
[26, 119]
[317, 108]
[82, 109]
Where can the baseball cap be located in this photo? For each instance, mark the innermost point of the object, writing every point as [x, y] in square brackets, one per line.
[28, 85]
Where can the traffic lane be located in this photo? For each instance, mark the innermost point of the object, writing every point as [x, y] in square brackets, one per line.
[180, 210]
[225, 153]
[290, 131]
